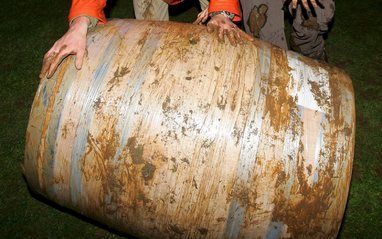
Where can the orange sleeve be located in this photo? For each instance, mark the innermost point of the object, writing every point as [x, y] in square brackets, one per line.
[93, 8]
[231, 6]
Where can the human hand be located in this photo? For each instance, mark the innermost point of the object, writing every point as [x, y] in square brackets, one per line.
[73, 42]
[305, 4]
[202, 17]
[222, 25]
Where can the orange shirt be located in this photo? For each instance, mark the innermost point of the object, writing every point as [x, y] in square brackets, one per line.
[94, 8]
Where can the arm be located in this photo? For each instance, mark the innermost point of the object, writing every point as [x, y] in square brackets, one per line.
[73, 42]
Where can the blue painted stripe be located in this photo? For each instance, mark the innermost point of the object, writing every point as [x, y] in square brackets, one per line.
[53, 128]
[274, 230]
[86, 116]
[135, 83]
[64, 96]
[235, 219]
[248, 151]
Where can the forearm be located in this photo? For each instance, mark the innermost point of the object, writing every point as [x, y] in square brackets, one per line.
[80, 24]
[91, 21]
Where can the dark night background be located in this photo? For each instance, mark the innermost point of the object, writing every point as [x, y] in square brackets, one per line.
[29, 28]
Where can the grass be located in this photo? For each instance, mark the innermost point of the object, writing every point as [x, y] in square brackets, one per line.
[29, 28]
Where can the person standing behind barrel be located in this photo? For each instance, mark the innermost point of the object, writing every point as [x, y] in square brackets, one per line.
[84, 15]
[264, 19]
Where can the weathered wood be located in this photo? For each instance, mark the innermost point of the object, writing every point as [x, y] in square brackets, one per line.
[166, 133]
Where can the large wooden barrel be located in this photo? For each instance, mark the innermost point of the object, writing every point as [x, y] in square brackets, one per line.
[167, 133]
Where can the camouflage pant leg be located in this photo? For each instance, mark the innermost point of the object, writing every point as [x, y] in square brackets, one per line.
[308, 34]
[264, 19]
[204, 3]
[151, 10]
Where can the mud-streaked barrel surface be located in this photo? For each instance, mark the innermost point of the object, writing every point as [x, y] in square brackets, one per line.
[167, 133]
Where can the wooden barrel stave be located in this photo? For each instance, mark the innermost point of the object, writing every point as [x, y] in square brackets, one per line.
[166, 132]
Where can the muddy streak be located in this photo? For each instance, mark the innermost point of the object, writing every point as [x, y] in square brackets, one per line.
[244, 195]
[122, 180]
[142, 198]
[203, 230]
[135, 150]
[98, 104]
[194, 183]
[184, 41]
[317, 209]
[233, 103]
[307, 205]
[222, 102]
[166, 105]
[184, 131]
[148, 171]
[98, 165]
[277, 102]
[281, 176]
[118, 74]
[319, 95]
[44, 131]
[68, 126]
[185, 160]
[173, 228]
[341, 85]
[134, 188]
[144, 37]
[300, 211]
[158, 157]
[193, 39]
